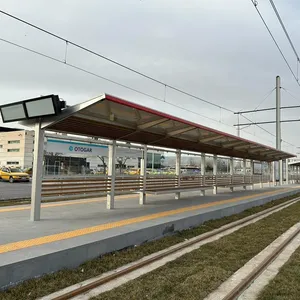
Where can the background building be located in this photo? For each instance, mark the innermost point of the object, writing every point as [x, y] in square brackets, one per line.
[66, 155]
[16, 147]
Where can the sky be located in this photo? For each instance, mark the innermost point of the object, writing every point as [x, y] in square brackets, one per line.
[217, 50]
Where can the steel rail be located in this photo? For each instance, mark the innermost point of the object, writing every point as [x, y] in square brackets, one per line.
[205, 236]
[246, 282]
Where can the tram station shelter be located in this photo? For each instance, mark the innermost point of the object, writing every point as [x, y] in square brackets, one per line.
[115, 119]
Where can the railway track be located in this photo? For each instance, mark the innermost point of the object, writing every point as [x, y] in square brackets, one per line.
[241, 287]
[76, 291]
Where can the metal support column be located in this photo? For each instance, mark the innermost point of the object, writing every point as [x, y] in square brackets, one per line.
[294, 174]
[251, 173]
[215, 172]
[273, 173]
[286, 171]
[269, 172]
[281, 172]
[231, 171]
[203, 165]
[143, 177]
[244, 171]
[111, 171]
[37, 175]
[178, 172]
[261, 176]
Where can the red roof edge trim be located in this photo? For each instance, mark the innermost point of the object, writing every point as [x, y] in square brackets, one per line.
[173, 118]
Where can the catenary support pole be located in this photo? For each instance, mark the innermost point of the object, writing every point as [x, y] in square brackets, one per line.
[143, 177]
[110, 204]
[278, 125]
[178, 172]
[36, 189]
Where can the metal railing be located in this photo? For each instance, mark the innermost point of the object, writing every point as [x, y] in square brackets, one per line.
[96, 186]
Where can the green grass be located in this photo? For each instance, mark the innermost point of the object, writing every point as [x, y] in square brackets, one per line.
[11, 202]
[47, 284]
[198, 273]
[286, 285]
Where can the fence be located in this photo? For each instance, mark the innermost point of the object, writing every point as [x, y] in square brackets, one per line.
[81, 187]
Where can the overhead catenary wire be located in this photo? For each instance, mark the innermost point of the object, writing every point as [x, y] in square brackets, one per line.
[254, 2]
[114, 61]
[284, 29]
[287, 91]
[68, 42]
[265, 98]
[105, 78]
[122, 85]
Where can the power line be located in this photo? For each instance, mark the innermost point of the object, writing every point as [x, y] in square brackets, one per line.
[240, 112]
[254, 2]
[265, 109]
[113, 61]
[105, 78]
[267, 122]
[267, 131]
[120, 84]
[284, 29]
[287, 91]
[68, 42]
[269, 94]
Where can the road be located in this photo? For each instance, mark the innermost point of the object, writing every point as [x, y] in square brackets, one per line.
[14, 190]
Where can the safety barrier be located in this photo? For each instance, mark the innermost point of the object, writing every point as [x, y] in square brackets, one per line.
[96, 186]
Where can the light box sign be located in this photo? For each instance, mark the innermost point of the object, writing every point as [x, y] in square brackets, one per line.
[85, 149]
[74, 148]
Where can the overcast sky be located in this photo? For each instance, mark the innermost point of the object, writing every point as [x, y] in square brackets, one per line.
[218, 50]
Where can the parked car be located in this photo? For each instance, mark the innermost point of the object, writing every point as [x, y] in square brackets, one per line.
[13, 174]
[28, 171]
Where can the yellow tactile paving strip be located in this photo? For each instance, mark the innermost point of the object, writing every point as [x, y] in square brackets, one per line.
[88, 230]
[56, 204]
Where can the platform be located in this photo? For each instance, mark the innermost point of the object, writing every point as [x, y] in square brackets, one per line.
[72, 232]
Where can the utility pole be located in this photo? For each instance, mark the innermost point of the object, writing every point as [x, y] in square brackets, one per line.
[278, 126]
[238, 126]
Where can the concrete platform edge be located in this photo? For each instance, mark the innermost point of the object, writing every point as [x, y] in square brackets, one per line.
[14, 273]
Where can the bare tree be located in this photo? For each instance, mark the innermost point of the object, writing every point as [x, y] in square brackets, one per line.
[122, 162]
[102, 158]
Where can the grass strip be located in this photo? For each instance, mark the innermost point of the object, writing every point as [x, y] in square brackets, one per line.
[286, 285]
[50, 283]
[198, 273]
[12, 202]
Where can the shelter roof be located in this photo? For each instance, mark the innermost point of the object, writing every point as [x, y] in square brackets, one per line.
[110, 117]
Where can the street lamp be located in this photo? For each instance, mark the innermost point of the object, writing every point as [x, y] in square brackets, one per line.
[34, 109]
